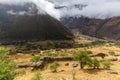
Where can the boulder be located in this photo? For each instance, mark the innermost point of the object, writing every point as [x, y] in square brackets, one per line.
[74, 64]
[39, 64]
[102, 55]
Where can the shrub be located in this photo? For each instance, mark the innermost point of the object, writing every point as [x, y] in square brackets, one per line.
[73, 74]
[111, 52]
[7, 66]
[88, 51]
[37, 76]
[63, 78]
[54, 66]
[20, 72]
[35, 58]
[83, 57]
[51, 54]
[18, 51]
[4, 54]
[106, 64]
[95, 63]
[63, 54]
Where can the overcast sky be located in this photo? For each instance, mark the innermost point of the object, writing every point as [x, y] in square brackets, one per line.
[94, 9]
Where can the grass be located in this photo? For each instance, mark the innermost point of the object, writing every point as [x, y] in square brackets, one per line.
[84, 42]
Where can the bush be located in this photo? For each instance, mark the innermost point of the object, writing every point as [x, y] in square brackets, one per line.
[73, 74]
[83, 58]
[88, 51]
[20, 72]
[112, 53]
[50, 54]
[35, 58]
[54, 66]
[106, 64]
[7, 66]
[96, 63]
[53, 53]
[63, 54]
[4, 54]
[18, 51]
[37, 76]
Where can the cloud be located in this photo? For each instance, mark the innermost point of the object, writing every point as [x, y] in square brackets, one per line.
[89, 8]
[44, 6]
[94, 9]
[47, 7]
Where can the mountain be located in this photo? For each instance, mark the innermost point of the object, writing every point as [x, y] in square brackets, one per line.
[101, 28]
[88, 19]
[26, 22]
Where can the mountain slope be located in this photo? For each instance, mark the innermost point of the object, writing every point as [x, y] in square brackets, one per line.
[25, 22]
[102, 28]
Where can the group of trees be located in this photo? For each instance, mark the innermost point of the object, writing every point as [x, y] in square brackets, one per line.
[85, 60]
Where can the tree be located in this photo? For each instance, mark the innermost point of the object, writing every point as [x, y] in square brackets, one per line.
[7, 66]
[83, 58]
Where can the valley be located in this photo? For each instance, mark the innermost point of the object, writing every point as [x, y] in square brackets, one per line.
[59, 40]
[65, 72]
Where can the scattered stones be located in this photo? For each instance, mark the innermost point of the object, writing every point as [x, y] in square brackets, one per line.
[71, 51]
[116, 55]
[112, 72]
[32, 69]
[74, 64]
[113, 59]
[33, 54]
[62, 70]
[119, 60]
[67, 64]
[69, 79]
[42, 62]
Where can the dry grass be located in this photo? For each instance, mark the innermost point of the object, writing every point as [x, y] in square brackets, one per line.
[65, 71]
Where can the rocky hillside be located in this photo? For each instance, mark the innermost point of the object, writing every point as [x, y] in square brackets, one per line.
[102, 28]
[25, 22]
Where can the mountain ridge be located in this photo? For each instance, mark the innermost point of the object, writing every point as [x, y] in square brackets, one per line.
[101, 28]
[25, 22]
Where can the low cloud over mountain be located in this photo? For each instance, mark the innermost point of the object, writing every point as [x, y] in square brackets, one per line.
[88, 8]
